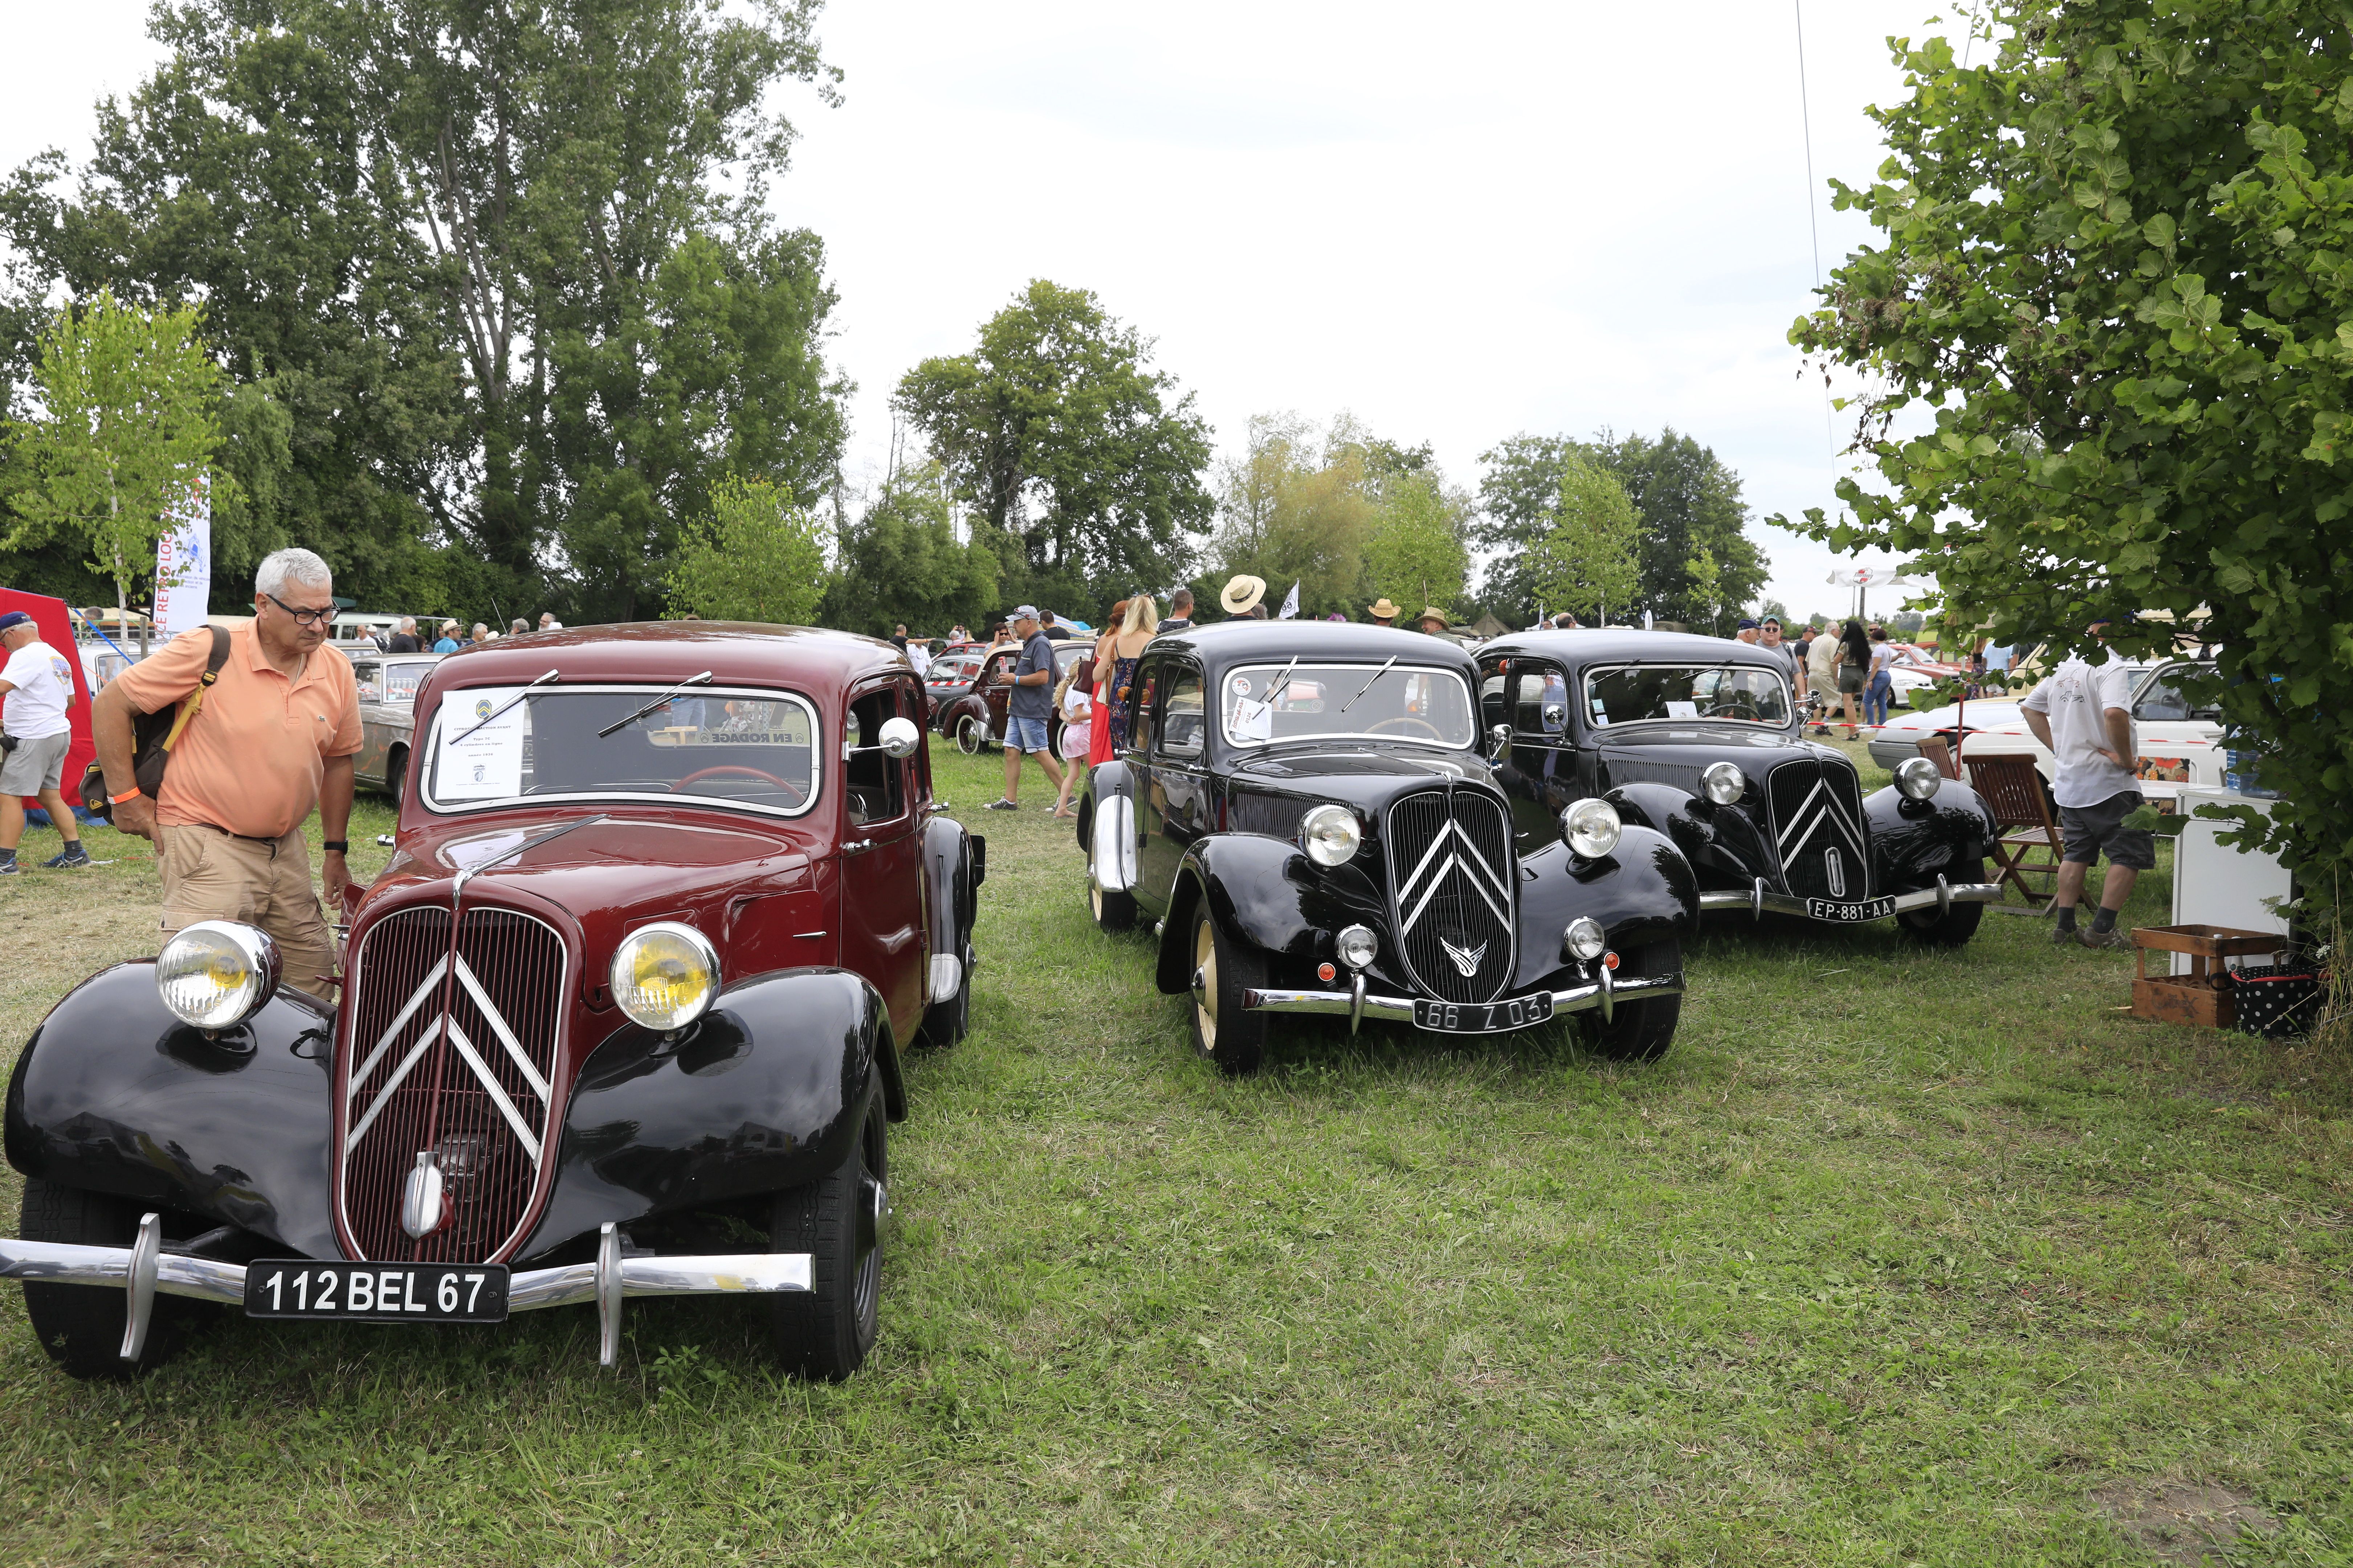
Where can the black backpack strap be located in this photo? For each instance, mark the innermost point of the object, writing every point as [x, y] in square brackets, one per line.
[213, 662]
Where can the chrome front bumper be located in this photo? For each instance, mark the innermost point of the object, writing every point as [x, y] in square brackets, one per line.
[1354, 1005]
[143, 1270]
[1941, 896]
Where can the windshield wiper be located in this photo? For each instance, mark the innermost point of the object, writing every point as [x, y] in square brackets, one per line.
[1368, 685]
[1277, 690]
[501, 707]
[702, 679]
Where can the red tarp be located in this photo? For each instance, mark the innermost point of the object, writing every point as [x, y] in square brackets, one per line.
[56, 630]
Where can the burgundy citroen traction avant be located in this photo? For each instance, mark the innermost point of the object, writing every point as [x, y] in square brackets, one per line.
[623, 1016]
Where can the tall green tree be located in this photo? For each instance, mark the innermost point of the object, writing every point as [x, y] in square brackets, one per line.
[1297, 506]
[1589, 560]
[1687, 499]
[902, 562]
[754, 556]
[510, 266]
[2109, 333]
[124, 443]
[1071, 447]
[1415, 553]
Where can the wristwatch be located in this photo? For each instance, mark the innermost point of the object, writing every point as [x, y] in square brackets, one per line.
[336, 846]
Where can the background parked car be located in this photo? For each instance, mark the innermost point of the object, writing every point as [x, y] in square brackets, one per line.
[977, 718]
[387, 685]
[1899, 739]
[950, 677]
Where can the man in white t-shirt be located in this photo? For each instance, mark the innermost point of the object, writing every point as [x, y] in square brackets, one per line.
[1822, 671]
[36, 689]
[2083, 715]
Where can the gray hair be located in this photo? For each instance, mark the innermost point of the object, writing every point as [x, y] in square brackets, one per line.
[280, 567]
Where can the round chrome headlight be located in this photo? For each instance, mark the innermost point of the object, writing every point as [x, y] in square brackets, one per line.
[1918, 778]
[1330, 835]
[1590, 827]
[1584, 939]
[1724, 783]
[665, 975]
[216, 975]
[1358, 945]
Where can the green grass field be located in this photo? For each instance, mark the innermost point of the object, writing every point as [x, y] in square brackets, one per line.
[1899, 1257]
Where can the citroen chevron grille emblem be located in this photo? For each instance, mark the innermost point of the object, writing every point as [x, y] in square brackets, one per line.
[445, 1026]
[1466, 960]
[1451, 890]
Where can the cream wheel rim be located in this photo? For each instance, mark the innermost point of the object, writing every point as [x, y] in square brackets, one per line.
[1205, 1007]
[1094, 897]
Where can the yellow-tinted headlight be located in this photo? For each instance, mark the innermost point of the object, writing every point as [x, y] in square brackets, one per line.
[216, 975]
[665, 975]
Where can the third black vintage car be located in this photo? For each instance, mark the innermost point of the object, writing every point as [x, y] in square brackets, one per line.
[1308, 814]
[1699, 738]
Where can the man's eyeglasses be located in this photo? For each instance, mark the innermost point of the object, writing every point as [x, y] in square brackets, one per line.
[302, 617]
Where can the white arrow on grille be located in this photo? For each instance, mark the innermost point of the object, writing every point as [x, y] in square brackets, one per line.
[466, 1053]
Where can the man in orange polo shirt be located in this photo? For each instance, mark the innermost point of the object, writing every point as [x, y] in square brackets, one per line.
[274, 737]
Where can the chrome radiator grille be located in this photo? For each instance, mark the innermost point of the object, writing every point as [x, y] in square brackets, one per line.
[1450, 887]
[452, 1051]
[1817, 818]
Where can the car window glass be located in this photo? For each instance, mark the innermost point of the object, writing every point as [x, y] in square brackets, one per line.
[724, 747]
[369, 678]
[1539, 702]
[1494, 707]
[1183, 721]
[874, 780]
[1263, 704]
[1147, 681]
[2162, 701]
[401, 681]
[1737, 693]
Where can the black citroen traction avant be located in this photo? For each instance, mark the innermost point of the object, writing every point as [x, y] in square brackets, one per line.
[1699, 738]
[1309, 813]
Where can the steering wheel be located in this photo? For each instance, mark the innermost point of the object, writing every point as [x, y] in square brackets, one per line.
[1407, 719]
[1735, 708]
[798, 793]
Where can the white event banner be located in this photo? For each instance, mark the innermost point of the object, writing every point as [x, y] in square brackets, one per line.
[183, 568]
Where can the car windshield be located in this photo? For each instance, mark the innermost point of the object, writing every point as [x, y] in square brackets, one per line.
[1334, 700]
[1637, 693]
[401, 681]
[745, 748]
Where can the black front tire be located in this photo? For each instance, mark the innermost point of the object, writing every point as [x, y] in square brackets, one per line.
[1958, 924]
[1641, 1031]
[81, 1325]
[1227, 966]
[825, 1332]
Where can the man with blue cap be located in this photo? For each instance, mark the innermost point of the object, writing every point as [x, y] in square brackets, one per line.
[36, 689]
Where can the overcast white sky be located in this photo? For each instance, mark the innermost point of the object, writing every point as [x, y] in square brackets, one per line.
[1456, 222]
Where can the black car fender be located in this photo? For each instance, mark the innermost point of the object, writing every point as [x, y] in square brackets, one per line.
[1642, 891]
[950, 867]
[764, 1092]
[1915, 841]
[1713, 838]
[1264, 890]
[113, 1094]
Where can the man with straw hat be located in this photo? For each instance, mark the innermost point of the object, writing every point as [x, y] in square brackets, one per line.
[1242, 596]
[1432, 612]
[1384, 614]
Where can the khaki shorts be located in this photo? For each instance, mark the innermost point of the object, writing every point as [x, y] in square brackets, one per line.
[210, 875]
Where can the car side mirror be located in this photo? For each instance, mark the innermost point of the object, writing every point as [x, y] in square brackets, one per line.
[1499, 740]
[1556, 718]
[899, 737]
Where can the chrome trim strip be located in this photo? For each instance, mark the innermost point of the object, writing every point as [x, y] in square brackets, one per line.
[383, 1043]
[498, 1026]
[482, 1074]
[415, 1053]
[527, 1289]
[1944, 894]
[138, 1280]
[1400, 1009]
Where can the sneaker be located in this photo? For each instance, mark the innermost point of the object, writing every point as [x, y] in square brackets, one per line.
[74, 858]
[2115, 936]
[1002, 805]
[9, 867]
[2063, 936]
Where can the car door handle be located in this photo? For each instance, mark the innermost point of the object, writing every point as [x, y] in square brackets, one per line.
[858, 846]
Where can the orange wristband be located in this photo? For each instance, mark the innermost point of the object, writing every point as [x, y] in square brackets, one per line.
[127, 795]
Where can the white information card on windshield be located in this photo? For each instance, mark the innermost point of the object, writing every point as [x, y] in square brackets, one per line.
[487, 763]
[1252, 720]
[1683, 709]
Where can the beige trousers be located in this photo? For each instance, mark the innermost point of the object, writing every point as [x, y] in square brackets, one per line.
[210, 875]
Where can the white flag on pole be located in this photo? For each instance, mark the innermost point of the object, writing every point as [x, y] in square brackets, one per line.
[1290, 604]
[184, 569]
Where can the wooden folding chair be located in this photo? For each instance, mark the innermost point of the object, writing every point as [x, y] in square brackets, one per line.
[2022, 819]
[1937, 751]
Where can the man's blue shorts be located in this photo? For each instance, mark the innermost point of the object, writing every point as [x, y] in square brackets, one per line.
[1026, 734]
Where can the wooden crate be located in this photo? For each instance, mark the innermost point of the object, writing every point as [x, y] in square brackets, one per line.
[2203, 995]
